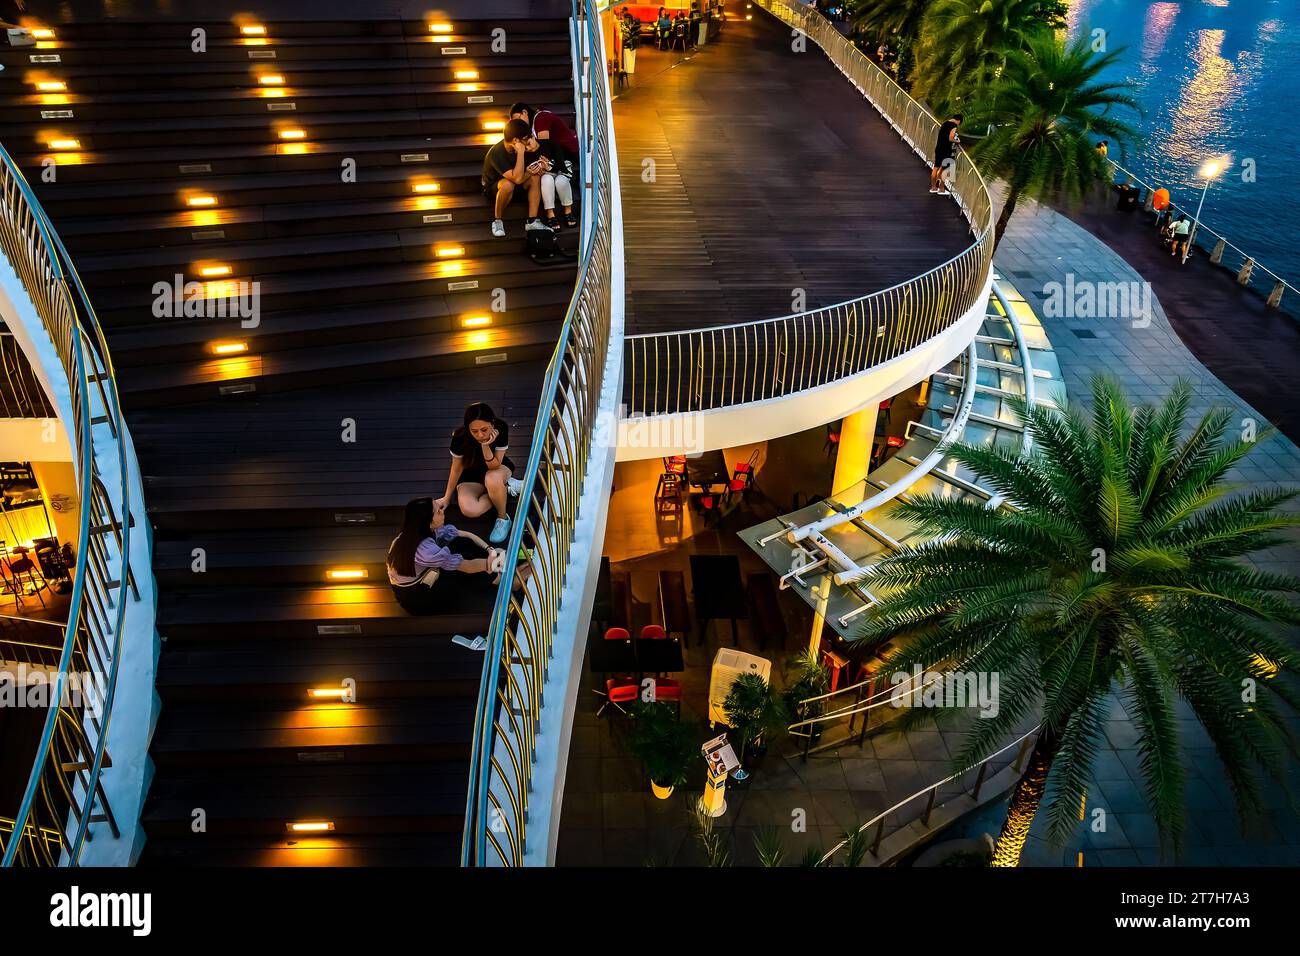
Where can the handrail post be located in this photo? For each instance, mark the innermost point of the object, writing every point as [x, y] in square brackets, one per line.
[979, 780]
[880, 835]
[929, 807]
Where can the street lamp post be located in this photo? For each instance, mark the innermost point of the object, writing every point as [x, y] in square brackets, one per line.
[1208, 172]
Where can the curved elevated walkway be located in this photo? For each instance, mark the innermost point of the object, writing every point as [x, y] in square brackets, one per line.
[768, 176]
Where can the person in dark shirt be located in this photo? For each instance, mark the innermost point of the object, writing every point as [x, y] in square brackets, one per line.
[426, 550]
[945, 149]
[506, 172]
[482, 475]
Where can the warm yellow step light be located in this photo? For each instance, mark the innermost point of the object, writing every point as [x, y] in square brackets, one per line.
[440, 28]
[43, 33]
[347, 574]
[311, 826]
[65, 144]
[214, 272]
[271, 79]
[228, 348]
[199, 202]
[449, 252]
[476, 321]
[51, 86]
[253, 30]
[293, 133]
[425, 187]
[494, 125]
[466, 74]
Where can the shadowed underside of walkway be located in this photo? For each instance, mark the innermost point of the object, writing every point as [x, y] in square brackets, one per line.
[1253, 349]
[771, 173]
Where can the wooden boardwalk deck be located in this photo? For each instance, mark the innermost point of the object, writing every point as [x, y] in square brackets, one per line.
[770, 173]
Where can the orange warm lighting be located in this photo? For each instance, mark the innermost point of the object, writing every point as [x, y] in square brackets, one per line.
[271, 79]
[197, 202]
[347, 574]
[65, 144]
[440, 28]
[466, 74]
[253, 30]
[449, 252]
[214, 272]
[227, 348]
[293, 133]
[327, 693]
[479, 338]
[425, 187]
[311, 826]
[51, 86]
[491, 125]
[476, 321]
[43, 33]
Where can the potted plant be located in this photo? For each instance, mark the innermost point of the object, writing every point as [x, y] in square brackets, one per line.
[663, 745]
[756, 712]
[809, 677]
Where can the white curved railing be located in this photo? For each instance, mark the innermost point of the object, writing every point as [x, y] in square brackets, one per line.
[700, 369]
[64, 794]
[522, 632]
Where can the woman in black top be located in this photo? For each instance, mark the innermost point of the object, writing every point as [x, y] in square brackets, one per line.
[482, 475]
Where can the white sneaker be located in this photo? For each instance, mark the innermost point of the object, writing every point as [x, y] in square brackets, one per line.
[498, 229]
[477, 644]
[534, 224]
[514, 486]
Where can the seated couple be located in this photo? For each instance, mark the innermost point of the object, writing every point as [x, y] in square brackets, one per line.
[428, 548]
[538, 163]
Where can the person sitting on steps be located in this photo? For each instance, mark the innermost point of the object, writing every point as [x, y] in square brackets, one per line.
[482, 475]
[427, 549]
[506, 171]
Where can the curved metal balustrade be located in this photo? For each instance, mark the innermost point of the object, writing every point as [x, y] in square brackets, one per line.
[702, 369]
[523, 624]
[64, 795]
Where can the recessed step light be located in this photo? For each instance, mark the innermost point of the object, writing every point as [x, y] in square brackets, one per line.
[293, 133]
[331, 693]
[449, 252]
[253, 30]
[214, 271]
[228, 347]
[491, 126]
[476, 321]
[51, 86]
[311, 826]
[201, 200]
[346, 574]
[440, 27]
[43, 33]
[425, 187]
[466, 74]
[64, 143]
[271, 79]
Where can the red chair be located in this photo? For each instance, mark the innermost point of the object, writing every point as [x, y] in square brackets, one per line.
[617, 634]
[669, 691]
[675, 465]
[832, 439]
[653, 632]
[619, 690]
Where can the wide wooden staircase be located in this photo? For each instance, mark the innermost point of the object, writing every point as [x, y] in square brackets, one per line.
[336, 165]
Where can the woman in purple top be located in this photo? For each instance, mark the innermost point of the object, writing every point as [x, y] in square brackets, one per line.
[427, 544]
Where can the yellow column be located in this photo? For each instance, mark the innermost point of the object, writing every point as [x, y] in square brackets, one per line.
[853, 460]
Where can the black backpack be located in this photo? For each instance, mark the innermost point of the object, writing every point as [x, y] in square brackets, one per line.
[542, 246]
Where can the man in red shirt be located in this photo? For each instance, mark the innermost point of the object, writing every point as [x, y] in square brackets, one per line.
[547, 125]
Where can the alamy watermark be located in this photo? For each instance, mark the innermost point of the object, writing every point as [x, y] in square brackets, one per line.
[214, 299]
[1085, 299]
[944, 689]
[35, 687]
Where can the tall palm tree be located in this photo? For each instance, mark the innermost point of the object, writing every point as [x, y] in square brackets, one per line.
[964, 43]
[1119, 570]
[1044, 114]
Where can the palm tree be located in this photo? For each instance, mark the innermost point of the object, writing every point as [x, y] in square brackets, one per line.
[964, 43]
[1119, 569]
[896, 21]
[1044, 113]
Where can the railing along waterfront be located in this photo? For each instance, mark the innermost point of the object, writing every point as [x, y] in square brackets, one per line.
[1247, 267]
[701, 369]
[522, 630]
[64, 794]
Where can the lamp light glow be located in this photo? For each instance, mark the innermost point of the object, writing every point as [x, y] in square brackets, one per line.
[51, 86]
[67, 143]
[476, 321]
[200, 201]
[347, 574]
[449, 252]
[311, 826]
[294, 133]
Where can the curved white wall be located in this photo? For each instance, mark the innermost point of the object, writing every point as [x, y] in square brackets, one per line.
[688, 433]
